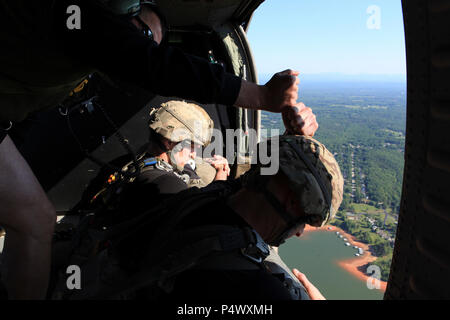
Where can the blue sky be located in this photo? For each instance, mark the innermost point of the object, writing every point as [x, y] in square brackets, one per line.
[328, 36]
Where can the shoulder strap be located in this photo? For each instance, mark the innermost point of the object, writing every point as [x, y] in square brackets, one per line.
[187, 247]
[182, 251]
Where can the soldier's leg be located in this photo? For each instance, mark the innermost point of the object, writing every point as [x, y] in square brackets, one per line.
[29, 219]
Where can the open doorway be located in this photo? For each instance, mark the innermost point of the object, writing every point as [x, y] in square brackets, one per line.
[351, 55]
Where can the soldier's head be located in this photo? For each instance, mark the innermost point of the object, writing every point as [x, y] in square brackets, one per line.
[179, 129]
[150, 21]
[308, 188]
[144, 14]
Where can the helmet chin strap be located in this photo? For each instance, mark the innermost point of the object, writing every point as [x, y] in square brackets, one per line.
[154, 137]
[171, 154]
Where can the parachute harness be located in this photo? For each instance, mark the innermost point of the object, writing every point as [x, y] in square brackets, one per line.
[92, 102]
[117, 181]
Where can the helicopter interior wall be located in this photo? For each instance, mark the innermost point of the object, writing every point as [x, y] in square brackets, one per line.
[184, 13]
[207, 45]
[67, 192]
[48, 145]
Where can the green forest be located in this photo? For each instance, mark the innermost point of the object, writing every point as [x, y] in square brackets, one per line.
[362, 229]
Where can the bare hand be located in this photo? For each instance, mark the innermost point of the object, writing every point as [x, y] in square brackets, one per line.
[221, 165]
[311, 290]
[281, 91]
[300, 119]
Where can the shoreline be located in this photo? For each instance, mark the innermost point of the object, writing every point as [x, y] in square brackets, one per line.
[352, 265]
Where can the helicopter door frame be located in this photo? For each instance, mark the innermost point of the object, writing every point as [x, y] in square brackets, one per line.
[421, 260]
[238, 49]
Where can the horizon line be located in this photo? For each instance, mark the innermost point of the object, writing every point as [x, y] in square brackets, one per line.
[345, 74]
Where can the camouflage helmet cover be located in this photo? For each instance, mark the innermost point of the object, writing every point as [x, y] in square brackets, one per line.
[304, 183]
[179, 120]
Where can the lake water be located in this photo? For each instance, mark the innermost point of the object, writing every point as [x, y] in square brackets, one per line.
[315, 254]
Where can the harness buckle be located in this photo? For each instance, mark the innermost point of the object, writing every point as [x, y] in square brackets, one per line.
[257, 250]
[150, 162]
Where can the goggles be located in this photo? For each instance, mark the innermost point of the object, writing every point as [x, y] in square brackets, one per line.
[185, 144]
[188, 144]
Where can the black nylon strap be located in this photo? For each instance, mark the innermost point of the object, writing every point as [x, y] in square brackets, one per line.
[228, 261]
[233, 240]
[221, 247]
[228, 238]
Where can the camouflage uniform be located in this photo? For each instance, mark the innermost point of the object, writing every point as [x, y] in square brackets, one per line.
[319, 185]
[212, 251]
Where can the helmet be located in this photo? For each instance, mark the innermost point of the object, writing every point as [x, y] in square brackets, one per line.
[132, 8]
[313, 173]
[179, 120]
[154, 7]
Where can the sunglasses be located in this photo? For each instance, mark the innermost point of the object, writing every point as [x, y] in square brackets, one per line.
[190, 145]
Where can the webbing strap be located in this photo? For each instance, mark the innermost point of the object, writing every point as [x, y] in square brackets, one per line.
[186, 256]
[173, 114]
[224, 239]
[228, 261]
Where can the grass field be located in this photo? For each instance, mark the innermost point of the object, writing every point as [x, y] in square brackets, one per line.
[371, 210]
[361, 207]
